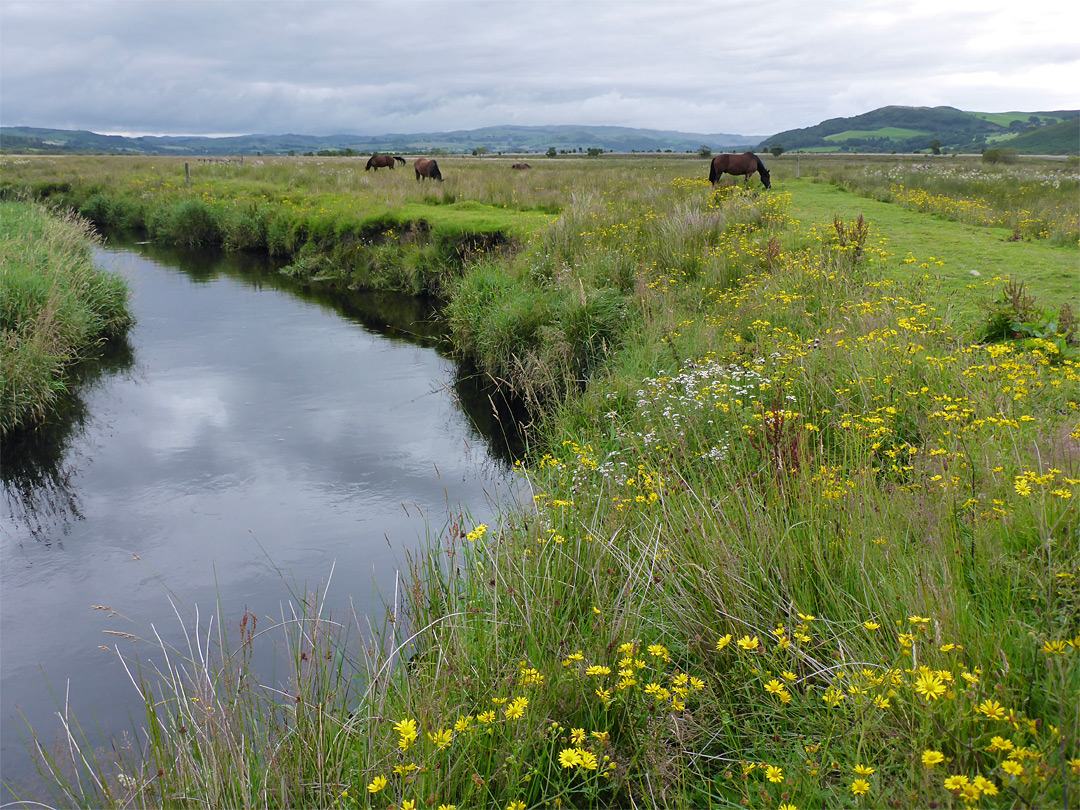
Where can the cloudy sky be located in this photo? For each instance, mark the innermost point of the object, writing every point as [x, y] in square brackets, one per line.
[321, 67]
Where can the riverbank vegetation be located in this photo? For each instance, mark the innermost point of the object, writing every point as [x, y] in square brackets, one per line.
[803, 522]
[56, 307]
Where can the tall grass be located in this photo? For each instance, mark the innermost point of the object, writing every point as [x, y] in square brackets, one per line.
[56, 307]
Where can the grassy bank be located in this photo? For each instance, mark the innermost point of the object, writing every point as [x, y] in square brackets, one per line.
[338, 225]
[56, 308]
[803, 534]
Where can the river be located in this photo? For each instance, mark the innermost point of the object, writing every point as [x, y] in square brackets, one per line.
[244, 442]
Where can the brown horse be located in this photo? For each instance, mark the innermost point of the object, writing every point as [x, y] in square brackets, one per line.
[378, 161]
[427, 168]
[521, 166]
[745, 164]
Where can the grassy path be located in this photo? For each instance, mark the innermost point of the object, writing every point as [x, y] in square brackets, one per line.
[1051, 273]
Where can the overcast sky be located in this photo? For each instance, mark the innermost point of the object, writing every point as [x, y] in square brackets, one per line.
[322, 67]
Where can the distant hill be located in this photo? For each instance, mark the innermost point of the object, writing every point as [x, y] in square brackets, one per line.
[912, 129]
[1058, 139]
[491, 139]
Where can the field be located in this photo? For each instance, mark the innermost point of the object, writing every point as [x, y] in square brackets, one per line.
[1006, 118]
[884, 132]
[804, 464]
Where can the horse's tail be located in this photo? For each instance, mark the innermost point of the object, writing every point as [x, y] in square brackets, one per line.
[712, 170]
[399, 159]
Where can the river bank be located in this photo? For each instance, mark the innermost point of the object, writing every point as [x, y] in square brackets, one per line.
[57, 307]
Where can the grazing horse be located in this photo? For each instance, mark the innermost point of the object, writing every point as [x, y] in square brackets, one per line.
[521, 166]
[745, 164]
[427, 168]
[378, 161]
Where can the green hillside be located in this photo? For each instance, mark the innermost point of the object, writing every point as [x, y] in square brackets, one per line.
[913, 129]
[1058, 139]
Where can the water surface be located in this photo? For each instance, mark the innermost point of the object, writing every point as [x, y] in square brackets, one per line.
[245, 441]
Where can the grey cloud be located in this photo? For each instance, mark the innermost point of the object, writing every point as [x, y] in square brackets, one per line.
[320, 66]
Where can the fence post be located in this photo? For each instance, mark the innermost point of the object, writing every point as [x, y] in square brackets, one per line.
[187, 174]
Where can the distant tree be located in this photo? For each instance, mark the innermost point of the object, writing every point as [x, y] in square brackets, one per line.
[1034, 120]
[551, 151]
[595, 151]
[999, 156]
[704, 151]
[480, 151]
[776, 150]
[935, 146]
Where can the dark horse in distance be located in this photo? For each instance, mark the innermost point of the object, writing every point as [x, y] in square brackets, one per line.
[745, 164]
[521, 166]
[378, 161]
[427, 168]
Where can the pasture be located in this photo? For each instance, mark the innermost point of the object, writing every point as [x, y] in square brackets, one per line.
[804, 467]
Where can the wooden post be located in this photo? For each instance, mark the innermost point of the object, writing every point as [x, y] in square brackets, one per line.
[187, 174]
[796, 165]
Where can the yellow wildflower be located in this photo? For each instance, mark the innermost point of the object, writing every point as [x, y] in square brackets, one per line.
[929, 685]
[930, 758]
[569, 758]
[407, 733]
[956, 782]
[749, 644]
[992, 709]
[588, 759]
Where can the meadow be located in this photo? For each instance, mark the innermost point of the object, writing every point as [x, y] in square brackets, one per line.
[803, 463]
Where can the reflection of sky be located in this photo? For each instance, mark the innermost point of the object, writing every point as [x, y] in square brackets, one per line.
[255, 432]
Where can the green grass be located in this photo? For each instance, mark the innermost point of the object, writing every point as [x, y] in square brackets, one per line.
[55, 307]
[898, 133]
[1006, 118]
[803, 528]
[947, 254]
